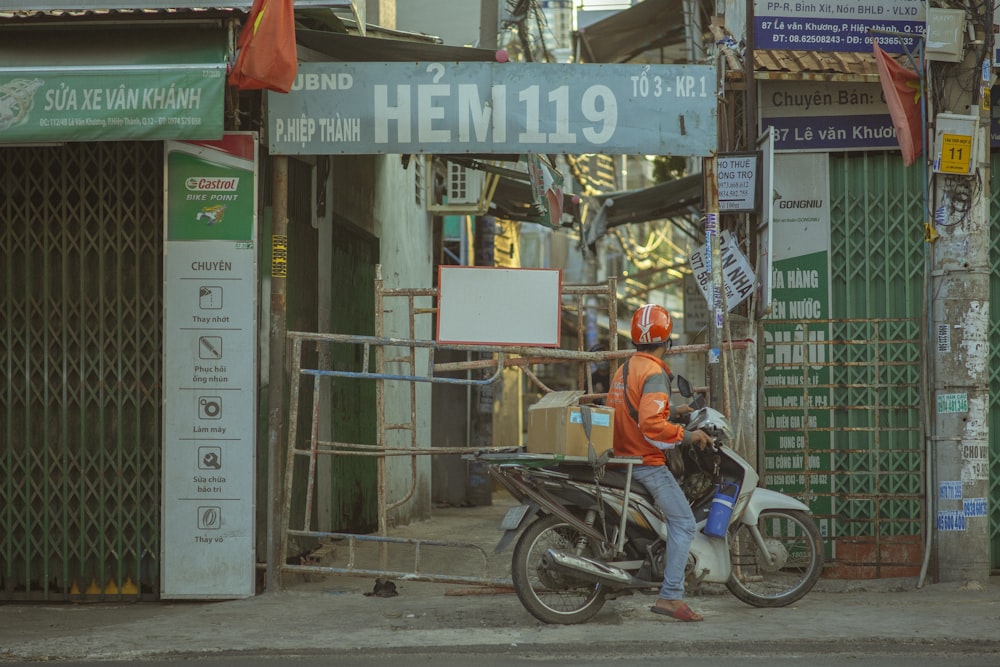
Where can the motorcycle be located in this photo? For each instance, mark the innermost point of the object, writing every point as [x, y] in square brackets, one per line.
[589, 532]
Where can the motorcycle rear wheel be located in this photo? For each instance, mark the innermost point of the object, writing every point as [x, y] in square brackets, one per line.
[550, 595]
[796, 547]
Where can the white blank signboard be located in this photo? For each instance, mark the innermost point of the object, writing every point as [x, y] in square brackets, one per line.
[490, 306]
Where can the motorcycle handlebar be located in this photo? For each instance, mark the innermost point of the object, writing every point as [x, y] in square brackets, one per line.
[696, 403]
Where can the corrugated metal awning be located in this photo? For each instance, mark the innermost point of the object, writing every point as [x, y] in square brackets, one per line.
[665, 200]
[648, 25]
[54, 6]
[814, 65]
[353, 48]
[679, 198]
[15, 12]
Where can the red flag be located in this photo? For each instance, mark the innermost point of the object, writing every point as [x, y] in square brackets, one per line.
[267, 57]
[901, 87]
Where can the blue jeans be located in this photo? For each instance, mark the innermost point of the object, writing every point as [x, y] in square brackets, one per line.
[680, 525]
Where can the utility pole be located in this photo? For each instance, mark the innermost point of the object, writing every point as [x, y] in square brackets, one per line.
[960, 300]
[489, 23]
[478, 485]
[276, 374]
[717, 306]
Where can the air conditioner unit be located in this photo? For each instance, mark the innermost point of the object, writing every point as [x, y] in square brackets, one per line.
[464, 185]
[454, 189]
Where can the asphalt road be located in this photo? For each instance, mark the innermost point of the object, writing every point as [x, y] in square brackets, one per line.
[778, 654]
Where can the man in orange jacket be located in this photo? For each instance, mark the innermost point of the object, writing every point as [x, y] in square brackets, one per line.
[640, 395]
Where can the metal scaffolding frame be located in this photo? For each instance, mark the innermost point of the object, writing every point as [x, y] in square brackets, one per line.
[503, 356]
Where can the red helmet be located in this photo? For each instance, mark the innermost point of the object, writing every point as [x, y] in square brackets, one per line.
[651, 324]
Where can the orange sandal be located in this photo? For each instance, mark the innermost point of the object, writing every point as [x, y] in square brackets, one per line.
[682, 613]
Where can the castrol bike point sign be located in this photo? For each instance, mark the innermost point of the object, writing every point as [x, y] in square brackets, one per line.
[209, 368]
[495, 108]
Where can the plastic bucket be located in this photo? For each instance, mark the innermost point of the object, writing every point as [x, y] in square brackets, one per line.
[722, 509]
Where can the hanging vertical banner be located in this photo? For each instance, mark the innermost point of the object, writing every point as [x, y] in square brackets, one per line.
[796, 398]
[736, 271]
[209, 368]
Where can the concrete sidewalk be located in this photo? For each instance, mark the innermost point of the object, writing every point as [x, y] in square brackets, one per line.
[333, 614]
[336, 616]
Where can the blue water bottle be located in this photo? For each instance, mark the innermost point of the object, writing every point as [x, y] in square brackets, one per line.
[722, 509]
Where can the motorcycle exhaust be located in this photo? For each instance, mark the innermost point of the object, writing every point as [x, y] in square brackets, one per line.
[589, 569]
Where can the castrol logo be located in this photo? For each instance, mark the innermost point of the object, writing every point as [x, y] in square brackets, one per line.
[206, 184]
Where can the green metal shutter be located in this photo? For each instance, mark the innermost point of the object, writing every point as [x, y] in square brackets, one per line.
[877, 260]
[859, 461]
[355, 478]
[80, 265]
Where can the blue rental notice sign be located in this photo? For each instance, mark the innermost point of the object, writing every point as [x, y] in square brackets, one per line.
[835, 26]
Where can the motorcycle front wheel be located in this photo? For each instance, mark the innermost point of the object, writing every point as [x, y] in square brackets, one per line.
[549, 594]
[793, 563]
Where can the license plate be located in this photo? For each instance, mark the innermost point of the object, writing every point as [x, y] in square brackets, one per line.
[512, 519]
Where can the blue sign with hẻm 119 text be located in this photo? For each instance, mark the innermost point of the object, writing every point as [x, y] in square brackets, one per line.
[494, 108]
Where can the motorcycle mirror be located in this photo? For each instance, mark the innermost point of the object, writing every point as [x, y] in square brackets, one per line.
[683, 386]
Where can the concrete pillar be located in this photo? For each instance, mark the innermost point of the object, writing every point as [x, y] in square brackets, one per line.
[960, 292]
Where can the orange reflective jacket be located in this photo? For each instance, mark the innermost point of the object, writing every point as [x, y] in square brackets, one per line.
[648, 433]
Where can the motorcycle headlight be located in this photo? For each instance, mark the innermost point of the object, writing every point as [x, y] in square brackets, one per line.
[712, 422]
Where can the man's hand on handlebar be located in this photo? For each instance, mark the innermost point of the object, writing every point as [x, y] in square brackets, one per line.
[680, 410]
[699, 439]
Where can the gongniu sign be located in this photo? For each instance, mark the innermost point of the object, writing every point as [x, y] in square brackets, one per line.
[474, 107]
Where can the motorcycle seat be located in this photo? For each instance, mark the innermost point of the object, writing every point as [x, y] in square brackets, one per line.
[613, 477]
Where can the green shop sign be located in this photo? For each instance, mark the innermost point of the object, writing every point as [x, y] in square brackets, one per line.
[115, 85]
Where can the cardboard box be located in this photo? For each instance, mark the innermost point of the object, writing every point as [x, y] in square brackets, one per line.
[555, 426]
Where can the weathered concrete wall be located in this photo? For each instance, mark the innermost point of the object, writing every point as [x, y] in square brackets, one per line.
[405, 241]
